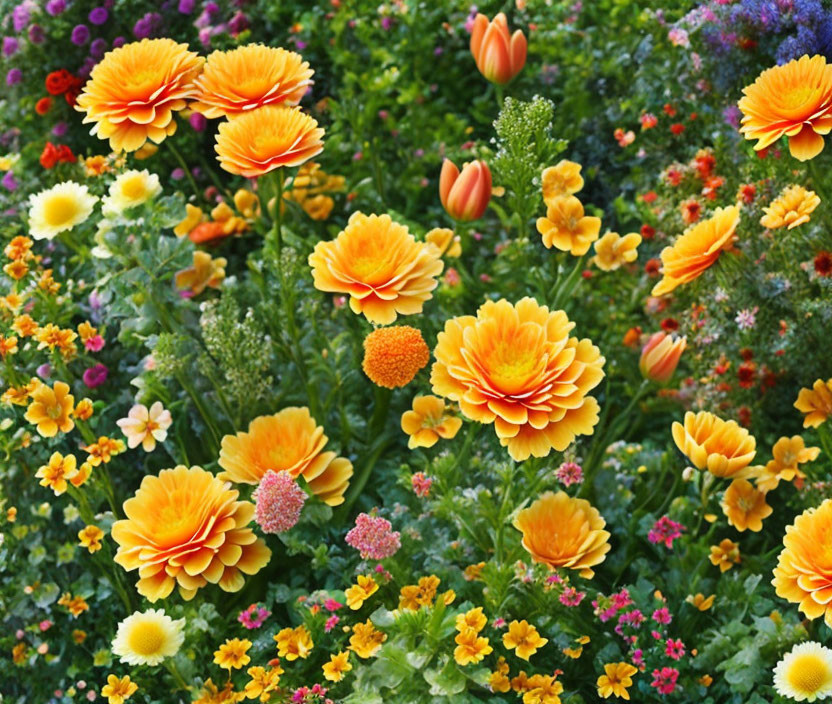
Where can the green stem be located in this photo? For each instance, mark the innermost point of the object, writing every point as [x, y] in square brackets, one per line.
[498, 539]
[817, 182]
[181, 161]
[177, 676]
[564, 291]
[498, 94]
[277, 226]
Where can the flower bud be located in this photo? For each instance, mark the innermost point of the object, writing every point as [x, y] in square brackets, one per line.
[660, 357]
[465, 195]
[499, 56]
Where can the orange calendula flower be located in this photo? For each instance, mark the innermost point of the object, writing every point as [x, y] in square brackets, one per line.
[517, 367]
[258, 142]
[358, 593]
[294, 643]
[471, 648]
[118, 690]
[134, 92]
[57, 472]
[84, 472]
[787, 455]
[89, 537]
[790, 209]
[744, 506]
[393, 356]
[84, 409]
[8, 345]
[186, 527]
[465, 194]
[562, 179]
[803, 574]
[561, 531]
[428, 421]
[566, 227]
[206, 272]
[25, 326]
[722, 447]
[20, 247]
[612, 251]
[366, 640]
[794, 100]
[103, 450]
[523, 639]
[53, 337]
[725, 555]
[233, 654]
[51, 409]
[288, 441]
[660, 356]
[248, 77]
[76, 605]
[16, 269]
[815, 403]
[500, 55]
[617, 677]
[697, 249]
[380, 265]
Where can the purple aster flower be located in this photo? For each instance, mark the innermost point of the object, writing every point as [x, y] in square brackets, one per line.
[147, 25]
[60, 129]
[98, 15]
[186, 7]
[98, 47]
[177, 174]
[55, 7]
[37, 34]
[95, 376]
[9, 182]
[15, 75]
[80, 34]
[21, 15]
[119, 41]
[10, 46]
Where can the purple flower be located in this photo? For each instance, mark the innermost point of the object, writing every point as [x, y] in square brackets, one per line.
[98, 15]
[98, 47]
[238, 23]
[55, 7]
[15, 75]
[37, 34]
[147, 25]
[9, 182]
[10, 46]
[44, 371]
[119, 41]
[80, 34]
[177, 174]
[21, 15]
[198, 121]
[186, 7]
[95, 376]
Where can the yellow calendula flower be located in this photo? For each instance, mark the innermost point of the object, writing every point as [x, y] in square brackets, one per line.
[366, 640]
[523, 639]
[744, 506]
[815, 403]
[358, 593]
[233, 654]
[616, 679]
[445, 241]
[473, 619]
[566, 227]
[722, 447]
[118, 690]
[805, 673]
[89, 537]
[787, 456]
[263, 682]
[471, 648]
[543, 689]
[338, 664]
[57, 472]
[790, 209]
[294, 643]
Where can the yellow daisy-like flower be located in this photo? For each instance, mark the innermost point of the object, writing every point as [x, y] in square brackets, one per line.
[338, 664]
[118, 690]
[722, 447]
[148, 637]
[471, 648]
[523, 639]
[89, 537]
[561, 531]
[566, 227]
[701, 602]
[617, 677]
[562, 179]
[787, 456]
[445, 241]
[206, 272]
[134, 92]
[379, 265]
[612, 251]
[57, 472]
[473, 619]
[428, 421]
[794, 100]
[725, 555]
[263, 682]
[815, 403]
[790, 209]
[744, 506]
[516, 366]
[288, 441]
[366, 640]
[131, 189]
[294, 643]
[233, 654]
[358, 593]
[543, 689]
[59, 209]
[805, 673]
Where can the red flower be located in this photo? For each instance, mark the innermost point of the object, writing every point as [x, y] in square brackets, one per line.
[747, 354]
[647, 232]
[649, 197]
[747, 193]
[746, 373]
[43, 106]
[677, 128]
[52, 155]
[59, 82]
[669, 110]
[823, 263]
[704, 164]
[652, 267]
[744, 416]
[670, 324]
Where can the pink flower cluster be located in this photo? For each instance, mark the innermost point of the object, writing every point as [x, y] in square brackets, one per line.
[278, 502]
[570, 473]
[665, 531]
[664, 680]
[675, 648]
[374, 537]
[571, 597]
[253, 616]
[607, 607]
[302, 695]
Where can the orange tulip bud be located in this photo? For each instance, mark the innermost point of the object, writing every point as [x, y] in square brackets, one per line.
[499, 56]
[465, 194]
[660, 356]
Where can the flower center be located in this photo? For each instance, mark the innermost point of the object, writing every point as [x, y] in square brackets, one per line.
[808, 674]
[60, 210]
[134, 187]
[146, 638]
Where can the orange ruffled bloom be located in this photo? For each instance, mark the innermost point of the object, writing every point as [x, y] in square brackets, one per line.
[133, 93]
[816, 403]
[248, 77]
[265, 139]
[697, 249]
[393, 356]
[791, 208]
[187, 528]
[465, 195]
[804, 569]
[566, 227]
[561, 531]
[795, 100]
[517, 367]
[660, 357]
[722, 447]
[500, 56]
[287, 441]
[380, 265]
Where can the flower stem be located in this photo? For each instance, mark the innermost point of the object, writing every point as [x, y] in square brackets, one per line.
[277, 227]
[181, 161]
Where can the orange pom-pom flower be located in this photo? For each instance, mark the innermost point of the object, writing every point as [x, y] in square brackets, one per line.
[393, 356]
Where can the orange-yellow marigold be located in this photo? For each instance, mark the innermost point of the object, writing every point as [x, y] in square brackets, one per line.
[722, 447]
[791, 208]
[393, 356]
[744, 506]
[186, 527]
[517, 367]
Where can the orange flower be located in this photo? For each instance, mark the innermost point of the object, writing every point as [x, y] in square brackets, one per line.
[289, 440]
[725, 555]
[25, 326]
[795, 100]
[500, 56]
[258, 142]
[787, 455]
[428, 421]
[187, 528]
[562, 179]
[697, 249]
[8, 345]
[205, 273]
[561, 531]
[816, 403]
[379, 264]
[134, 91]
[566, 227]
[517, 367]
[744, 506]
[612, 251]
[660, 356]
[804, 570]
[790, 209]
[722, 447]
[51, 409]
[465, 195]
[234, 82]
[393, 356]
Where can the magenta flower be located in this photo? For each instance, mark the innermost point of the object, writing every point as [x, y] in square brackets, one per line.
[664, 680]
[95, 376]
[665, 531]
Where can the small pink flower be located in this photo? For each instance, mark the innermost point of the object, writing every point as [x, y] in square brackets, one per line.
[570, 473]
[331, 622]
[94, 343]
[333, 605]
[145, 427]
[45, 625]
[674, 648]
[421, 484]
[374, 537]
[662, 615]
[665, 531]
[278, 502]
[664, 680]
[571, 597]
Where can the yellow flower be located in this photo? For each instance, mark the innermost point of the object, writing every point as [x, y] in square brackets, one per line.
[745, 506]
[147, 638]
[365, 640]
[612, 250]
[263, 682]
[359, 593]
[523, 638]
[294, 643]
[573, 653]
[211, 694]
[563, 179]
[233, 654]
[16, 269]
[805, 672]
[795, 100]
[193, 217]
[428, 421]
[470, 647]
[722, 447]
[725, 555]
[566, 227]
[118, 690]
[25, 326]
[131, 189]
[516, 366]
[84, 472]
[816, 403]
[205, 273]
[701, 602]
[790, 209]
[83, 409]
[338, 664]
[788, 454]
[697, 249]
[543, 689]
[57, 471]
[53, 337]
[445, 241]
[473, 620]
[8, 345]
[59, 209]
[103, 450]
[616, 679]
[498, 680]
[90, 537]
[561, 531]
[76, 605]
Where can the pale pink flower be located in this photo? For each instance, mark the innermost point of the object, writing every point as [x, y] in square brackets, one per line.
[374, 537]
[278, 502]
[145, 426]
